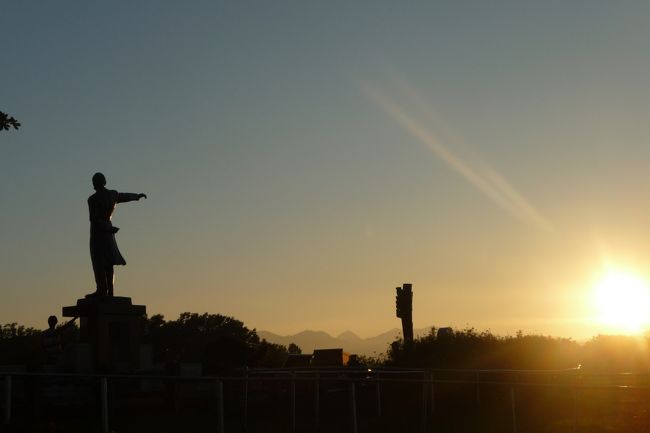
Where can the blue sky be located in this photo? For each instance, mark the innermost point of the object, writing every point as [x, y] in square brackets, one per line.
[282, 193]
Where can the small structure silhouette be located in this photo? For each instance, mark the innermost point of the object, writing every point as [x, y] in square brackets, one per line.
[446, 332]
[297, 360]
[330, 358]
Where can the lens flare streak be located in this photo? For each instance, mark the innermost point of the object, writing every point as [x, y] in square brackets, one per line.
[482, 177]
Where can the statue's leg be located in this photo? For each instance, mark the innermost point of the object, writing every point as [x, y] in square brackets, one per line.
[110, 278]
[100, 277]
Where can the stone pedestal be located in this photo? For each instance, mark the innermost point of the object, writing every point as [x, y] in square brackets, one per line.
[112, 327]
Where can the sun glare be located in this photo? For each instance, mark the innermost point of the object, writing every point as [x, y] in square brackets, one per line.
[623, 302]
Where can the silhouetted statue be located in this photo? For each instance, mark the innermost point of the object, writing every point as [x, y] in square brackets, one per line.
[103, 247]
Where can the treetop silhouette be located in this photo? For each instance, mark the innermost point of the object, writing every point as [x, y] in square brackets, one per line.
[7, 122]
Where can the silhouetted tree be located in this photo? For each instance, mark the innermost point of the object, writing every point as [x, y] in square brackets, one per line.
[222, 344]
[267, 354]
[616, 353]
[7, 122]
[294, 349]
[19, 345]
[23, 345]
[469, 348]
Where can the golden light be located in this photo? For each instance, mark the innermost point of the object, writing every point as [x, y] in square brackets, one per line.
[623, 302]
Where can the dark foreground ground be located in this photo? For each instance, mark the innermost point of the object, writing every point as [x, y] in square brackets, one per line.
[540, 404]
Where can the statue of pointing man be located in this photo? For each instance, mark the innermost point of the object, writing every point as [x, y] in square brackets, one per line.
[103, 247]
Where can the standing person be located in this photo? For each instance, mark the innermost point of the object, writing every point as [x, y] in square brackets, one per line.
[51, 340]
[103, 247]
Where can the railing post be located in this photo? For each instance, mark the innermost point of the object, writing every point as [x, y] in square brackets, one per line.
[104, 402]
[353, 407]
[425, 392]
[246, 399]
[293, 401]
[514, 409]
[478, 390]
[575, 411]
[316, 400]
[7, 415]
[576, 382]
[432, 396]
[378, 394]
[220, 421]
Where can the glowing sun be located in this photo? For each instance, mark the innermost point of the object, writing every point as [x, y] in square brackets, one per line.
[623, 302]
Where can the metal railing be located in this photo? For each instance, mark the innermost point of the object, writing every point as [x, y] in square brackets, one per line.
[373, 381]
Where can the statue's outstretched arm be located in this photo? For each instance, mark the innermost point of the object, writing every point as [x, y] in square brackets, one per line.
[68, 324]
[123, 197]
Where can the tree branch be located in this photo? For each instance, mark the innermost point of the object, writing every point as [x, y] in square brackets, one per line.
[7, 122]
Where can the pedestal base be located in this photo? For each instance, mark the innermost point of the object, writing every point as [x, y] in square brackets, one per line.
[112, 327]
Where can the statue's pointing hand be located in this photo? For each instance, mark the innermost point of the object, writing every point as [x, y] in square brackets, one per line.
[142, 195]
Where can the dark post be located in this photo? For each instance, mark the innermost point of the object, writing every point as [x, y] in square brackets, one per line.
[104, 403]
[220, 407]
[245, 399]
[513, 405]
[432, 396]
[478, 390]
[378, 394]
[353, 408]
[404, 310]
[7, 417]
[317, 401]
[425, 394]
[293, 401]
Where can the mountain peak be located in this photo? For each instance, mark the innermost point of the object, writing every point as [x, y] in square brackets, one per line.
[349, 335]
[309, 340]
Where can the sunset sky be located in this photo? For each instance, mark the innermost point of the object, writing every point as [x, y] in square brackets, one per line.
[303, 159]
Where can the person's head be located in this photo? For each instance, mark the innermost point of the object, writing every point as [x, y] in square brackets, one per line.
[52, 321]
[99, 181]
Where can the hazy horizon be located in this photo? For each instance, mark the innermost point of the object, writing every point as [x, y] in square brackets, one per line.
[303, 160]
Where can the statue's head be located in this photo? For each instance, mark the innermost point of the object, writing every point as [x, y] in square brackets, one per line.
[99, 181]
[52, 321]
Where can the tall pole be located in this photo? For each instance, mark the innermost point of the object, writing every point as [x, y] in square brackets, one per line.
[404, 310]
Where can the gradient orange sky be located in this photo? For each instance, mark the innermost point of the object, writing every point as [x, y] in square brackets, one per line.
[303, 160]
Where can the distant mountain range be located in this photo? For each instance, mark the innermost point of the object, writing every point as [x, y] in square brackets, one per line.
[349, 341]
